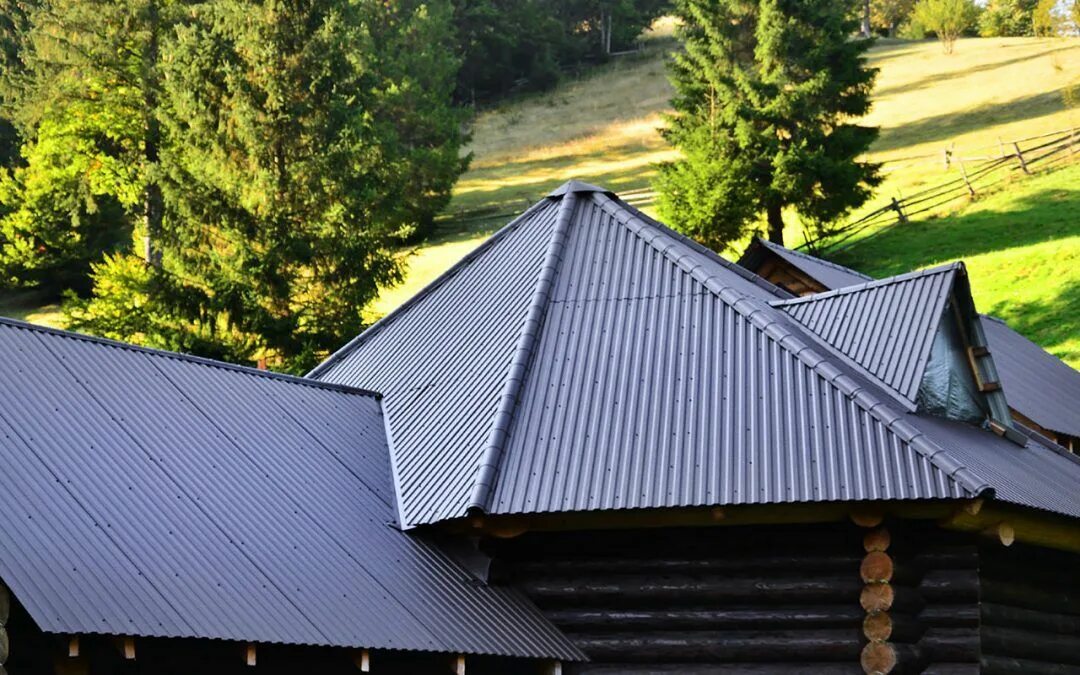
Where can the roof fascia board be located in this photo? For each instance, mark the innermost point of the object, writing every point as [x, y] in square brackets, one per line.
[524, 350]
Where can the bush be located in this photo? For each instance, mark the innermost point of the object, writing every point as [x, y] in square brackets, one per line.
[1007, 18]
[947, 19]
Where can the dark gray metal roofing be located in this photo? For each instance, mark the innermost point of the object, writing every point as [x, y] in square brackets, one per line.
[887, 327]
[828, 274]
[1038, 384]
[152, 494]
[589, 358]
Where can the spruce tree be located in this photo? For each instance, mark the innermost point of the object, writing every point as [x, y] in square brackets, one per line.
[305, 138]
[767, 94]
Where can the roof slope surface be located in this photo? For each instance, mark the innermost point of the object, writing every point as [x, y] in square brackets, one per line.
[145, 493]
[1039, 385]
[886, 327]
[589, 358]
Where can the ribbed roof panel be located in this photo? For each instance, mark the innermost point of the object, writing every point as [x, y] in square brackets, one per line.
[886, 327]
[158, 495]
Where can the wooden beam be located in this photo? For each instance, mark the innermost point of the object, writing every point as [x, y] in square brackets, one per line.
[129, 648]
[3, 645]
[1013, 523]
[459, 665]
[555, 668]
[5, 604]
[867, 516]
[250, 655]
[73, 647]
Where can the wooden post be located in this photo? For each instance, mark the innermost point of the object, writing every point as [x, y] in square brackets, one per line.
[73, 647]
[459, 665]
[1020, 156]
[876, 570]
[899, 211]
[1001, 147]
[129, 648]
[963, 172]
[1072, 141]
[250, 655]
[555, 668]
[363, 661]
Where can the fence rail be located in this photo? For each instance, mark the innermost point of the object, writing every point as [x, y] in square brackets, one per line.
[973, 175]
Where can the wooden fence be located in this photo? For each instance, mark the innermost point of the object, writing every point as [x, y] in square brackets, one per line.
[970, 176]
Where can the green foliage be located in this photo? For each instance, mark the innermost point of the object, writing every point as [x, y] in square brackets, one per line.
[888, 15]
[304, 138]
[77, 88]
[1007, 18]
[507, 45]
[766, 92]
[947, 19]
[1045, 21]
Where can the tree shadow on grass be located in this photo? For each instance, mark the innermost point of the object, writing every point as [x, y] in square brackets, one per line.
[940, 128]
[1051, 322]
[1045, 215]
[938, 78]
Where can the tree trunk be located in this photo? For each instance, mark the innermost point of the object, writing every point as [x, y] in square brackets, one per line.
[154, 202]
[866, 18]
[776, 224]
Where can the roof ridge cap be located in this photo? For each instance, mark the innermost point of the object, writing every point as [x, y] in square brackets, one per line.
[828, 263]
[427, 290]
[181, 356]
[524, 349]
[870, 285]
[759, 312]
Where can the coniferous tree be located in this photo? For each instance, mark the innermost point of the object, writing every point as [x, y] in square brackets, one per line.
[304, 138]
[85, 103]
[767, 92]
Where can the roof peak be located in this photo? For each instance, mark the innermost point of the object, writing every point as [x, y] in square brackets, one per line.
[573, 186]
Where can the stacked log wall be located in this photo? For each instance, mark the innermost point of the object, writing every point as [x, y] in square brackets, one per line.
[751, 599]
[1030, 610]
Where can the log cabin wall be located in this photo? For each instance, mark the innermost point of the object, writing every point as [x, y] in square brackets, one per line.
[1030, 610]
[753, 599]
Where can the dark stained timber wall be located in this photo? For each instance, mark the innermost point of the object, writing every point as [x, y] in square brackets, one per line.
[747, 599]
[1030, 611]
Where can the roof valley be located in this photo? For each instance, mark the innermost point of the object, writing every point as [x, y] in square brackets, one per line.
[524, 349]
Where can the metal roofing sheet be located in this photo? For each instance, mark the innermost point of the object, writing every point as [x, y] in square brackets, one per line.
[1038, 384]
[175, 497]
[887, 327]
[441, 362]
[648, 388]
[828, 274]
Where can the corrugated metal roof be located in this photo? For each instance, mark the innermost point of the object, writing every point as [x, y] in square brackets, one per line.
[628, 368]
[828, 274]
[147, 493]
[886, 327]
[1038, 384]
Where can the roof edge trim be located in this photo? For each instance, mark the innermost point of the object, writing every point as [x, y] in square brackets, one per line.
[574, 186]
[524, 349]
[755, 311]
[348, 347]
[191, 358]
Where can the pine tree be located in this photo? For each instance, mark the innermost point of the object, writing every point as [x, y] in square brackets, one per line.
[304, 139]
[767, 92]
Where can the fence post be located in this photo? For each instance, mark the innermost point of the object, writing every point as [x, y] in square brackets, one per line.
[963, 172]
[1072, 141]
[947, 155]
[1020, 156]
[901, 218]
[1001, 147]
